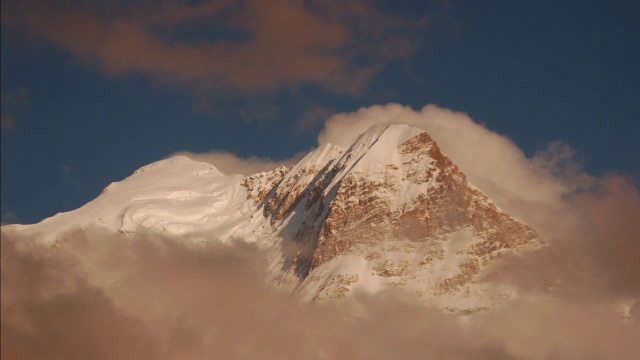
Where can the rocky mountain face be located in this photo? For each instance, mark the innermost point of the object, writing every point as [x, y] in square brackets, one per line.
[389, 211]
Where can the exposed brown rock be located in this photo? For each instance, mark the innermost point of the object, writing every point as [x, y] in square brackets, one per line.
[342, 284]
[389, 268]
[467, 271]
[260, 185]
[449, 206]
[289, 193]
[352, 215]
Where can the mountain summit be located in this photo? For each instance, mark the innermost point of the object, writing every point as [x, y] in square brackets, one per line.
[388, 211]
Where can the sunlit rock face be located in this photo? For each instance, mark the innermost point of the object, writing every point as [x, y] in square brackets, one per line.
[388, 211]
[391, 210]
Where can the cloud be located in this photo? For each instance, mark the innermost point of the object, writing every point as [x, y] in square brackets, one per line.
[609, 214]
[491, 161]
[48, 311]
[249, 46]
[229, 163]
[96, 295]
[559, 329]
[592, 250]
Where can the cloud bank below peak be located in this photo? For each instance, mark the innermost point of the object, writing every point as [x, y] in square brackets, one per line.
[102, 286]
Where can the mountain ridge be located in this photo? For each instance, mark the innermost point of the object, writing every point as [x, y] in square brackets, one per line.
[388, 211]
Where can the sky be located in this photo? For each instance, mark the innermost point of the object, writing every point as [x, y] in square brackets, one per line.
[91, 92]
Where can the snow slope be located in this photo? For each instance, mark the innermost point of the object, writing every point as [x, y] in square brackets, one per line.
[175, 196]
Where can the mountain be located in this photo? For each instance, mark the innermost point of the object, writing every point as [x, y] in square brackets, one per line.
[388, 211]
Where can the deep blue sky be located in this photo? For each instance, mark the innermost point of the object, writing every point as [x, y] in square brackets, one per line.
[82, 108]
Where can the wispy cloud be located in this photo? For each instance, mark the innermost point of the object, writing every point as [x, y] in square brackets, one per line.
[250, 46]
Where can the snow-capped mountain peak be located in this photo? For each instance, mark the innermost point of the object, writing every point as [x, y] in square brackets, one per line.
[389, 210]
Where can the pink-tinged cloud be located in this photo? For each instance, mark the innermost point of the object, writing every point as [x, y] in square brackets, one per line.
[288, 42]
[97, 296]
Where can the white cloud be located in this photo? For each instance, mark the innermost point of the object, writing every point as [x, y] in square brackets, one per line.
[491, 161]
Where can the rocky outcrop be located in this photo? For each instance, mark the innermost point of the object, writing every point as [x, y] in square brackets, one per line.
[260, 185]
